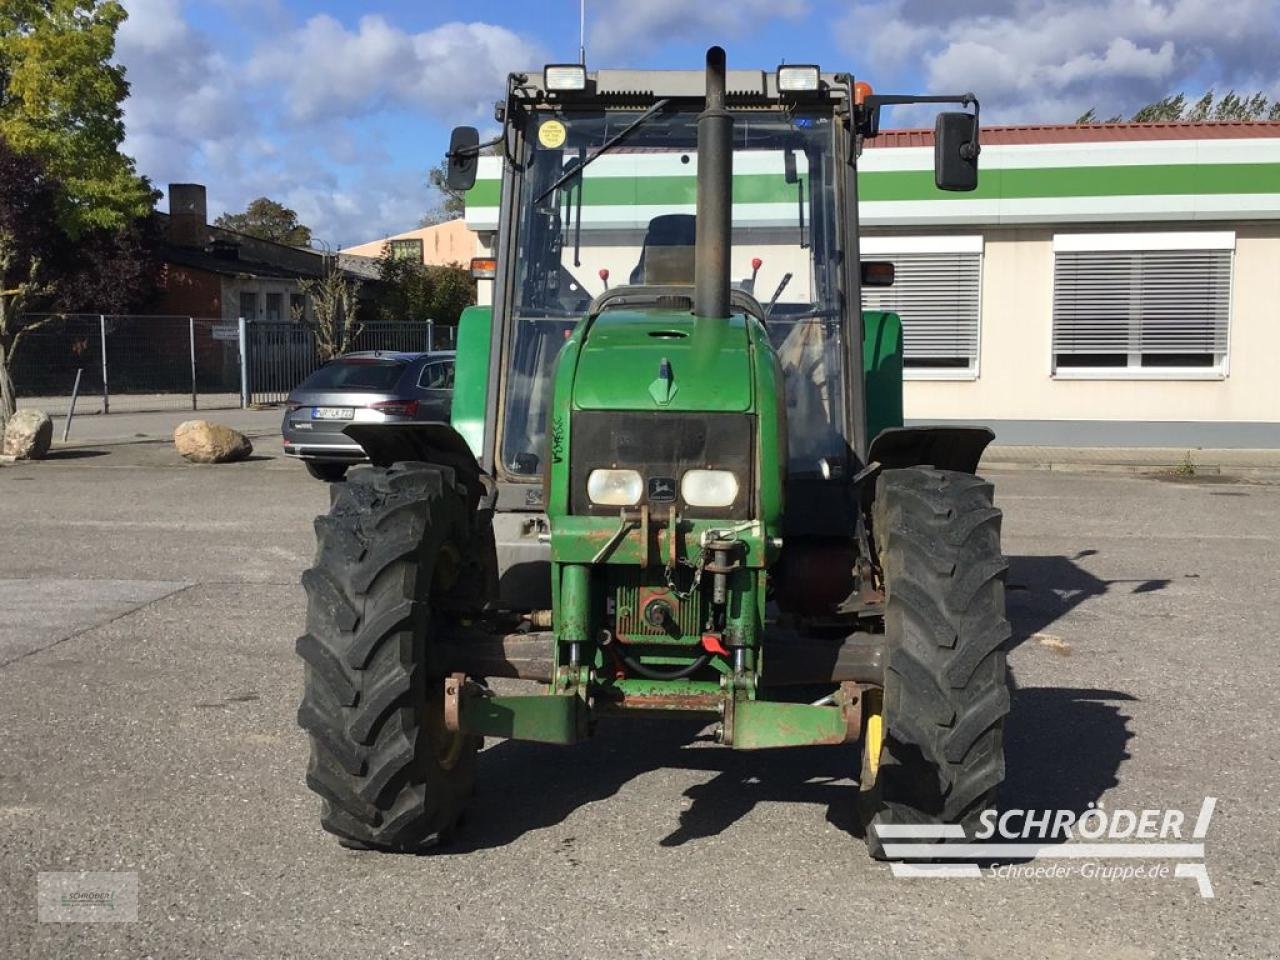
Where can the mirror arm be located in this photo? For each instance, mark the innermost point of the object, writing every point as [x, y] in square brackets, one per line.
[970, 150]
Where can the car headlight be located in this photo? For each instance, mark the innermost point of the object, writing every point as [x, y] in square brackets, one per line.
[709, 488]
[617, 488]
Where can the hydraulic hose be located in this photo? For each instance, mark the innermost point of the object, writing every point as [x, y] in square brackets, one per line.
[679, 673]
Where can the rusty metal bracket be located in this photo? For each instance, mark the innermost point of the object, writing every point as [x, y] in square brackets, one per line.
[849, 699]
[454, 689]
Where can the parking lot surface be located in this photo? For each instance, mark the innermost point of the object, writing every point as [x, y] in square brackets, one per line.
[147, 615]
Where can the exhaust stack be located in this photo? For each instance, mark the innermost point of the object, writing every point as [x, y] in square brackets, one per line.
[715, 196]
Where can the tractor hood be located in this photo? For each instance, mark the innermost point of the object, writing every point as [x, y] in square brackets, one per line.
[664, 360]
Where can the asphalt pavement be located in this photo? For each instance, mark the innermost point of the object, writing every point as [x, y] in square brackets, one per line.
[148, 609]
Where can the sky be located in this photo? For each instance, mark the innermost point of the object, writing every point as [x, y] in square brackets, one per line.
[338, 109]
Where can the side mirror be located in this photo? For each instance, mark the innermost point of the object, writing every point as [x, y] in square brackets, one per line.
[463, 158]
[789, 173]
[955, 151]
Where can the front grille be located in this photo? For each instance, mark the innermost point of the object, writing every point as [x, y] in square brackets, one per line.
[662, 445]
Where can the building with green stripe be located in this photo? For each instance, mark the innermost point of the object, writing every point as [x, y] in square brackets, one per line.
[1114, 284]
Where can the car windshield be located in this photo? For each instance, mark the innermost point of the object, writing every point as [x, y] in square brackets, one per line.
[628, 218]
[356, 373]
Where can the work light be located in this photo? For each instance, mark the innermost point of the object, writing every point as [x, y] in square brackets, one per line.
[564, 76]
[709, 488]
[798, 78]
[615, 488]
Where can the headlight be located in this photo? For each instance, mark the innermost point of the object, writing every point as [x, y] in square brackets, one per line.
[616, 488]
[709, 488]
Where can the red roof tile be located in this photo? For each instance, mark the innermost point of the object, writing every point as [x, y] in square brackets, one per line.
[1094, 132]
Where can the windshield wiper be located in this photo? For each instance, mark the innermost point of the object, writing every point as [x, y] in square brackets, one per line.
[605, 147]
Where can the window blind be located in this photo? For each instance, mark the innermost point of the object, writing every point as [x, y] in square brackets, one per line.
[937, 295]
[1141, 303]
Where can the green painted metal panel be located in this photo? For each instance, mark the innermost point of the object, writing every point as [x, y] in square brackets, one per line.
[546, 718]
[882, 367]
[471, 376]
[625, 349]
[762, 724]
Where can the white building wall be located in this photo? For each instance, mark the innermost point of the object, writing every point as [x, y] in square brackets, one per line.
[1016, 382]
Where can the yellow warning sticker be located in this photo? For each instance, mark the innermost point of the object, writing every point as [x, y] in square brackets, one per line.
[551, 134]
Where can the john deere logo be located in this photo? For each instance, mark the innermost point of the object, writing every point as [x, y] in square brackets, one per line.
[662, 489]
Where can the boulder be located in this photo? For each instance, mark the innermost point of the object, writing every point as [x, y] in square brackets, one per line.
[203, 442]
[28, 435]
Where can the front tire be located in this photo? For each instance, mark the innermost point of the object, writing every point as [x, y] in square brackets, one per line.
[326, 471]
[390, 775]
[934, 743]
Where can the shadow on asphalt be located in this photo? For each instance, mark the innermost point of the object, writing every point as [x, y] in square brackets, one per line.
[1063, 747]
[74, 453]
[1042, 589]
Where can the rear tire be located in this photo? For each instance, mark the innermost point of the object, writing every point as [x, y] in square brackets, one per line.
[328, 472]
[946, 689]
[391, 776]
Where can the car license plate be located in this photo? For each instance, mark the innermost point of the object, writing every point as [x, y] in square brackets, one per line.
[332, 413]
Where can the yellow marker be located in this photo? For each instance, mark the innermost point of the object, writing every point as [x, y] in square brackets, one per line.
[551, 134]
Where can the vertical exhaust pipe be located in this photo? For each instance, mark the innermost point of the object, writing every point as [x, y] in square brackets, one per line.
[715, 196]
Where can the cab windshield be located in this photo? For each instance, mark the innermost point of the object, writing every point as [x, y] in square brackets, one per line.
[628, 218]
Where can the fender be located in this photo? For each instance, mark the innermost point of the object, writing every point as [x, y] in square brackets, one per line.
[943, 448]
[389, 443]
[439, 443]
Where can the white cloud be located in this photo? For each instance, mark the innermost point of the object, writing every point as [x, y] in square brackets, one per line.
[1050, 60]
[297, 116]
[326, 69]
[619, 28]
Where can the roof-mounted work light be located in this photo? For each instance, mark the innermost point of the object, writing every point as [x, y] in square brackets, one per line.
[799, 78]
[564, 77]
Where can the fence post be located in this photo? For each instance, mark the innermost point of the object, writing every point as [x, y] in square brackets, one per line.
[244, 364]
[431, 335]
[191, 327]
[106, 394]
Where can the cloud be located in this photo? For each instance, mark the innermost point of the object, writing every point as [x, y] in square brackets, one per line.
[620, 28]
[182, 92]
[326, 69]
[304, 113]
[1051, 60]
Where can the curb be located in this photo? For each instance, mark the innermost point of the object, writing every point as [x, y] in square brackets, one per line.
[1169, 471]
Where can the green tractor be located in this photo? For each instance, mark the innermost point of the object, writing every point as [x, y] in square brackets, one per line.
[683, 494]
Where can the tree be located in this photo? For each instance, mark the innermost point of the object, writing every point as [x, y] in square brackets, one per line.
[453, 203]
[42, 269]
[334, 302]
[414, 291]
[60, 100]
[29, 238]
[1175, 107]
[268, 220]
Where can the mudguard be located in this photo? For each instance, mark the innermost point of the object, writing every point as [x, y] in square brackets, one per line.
[943, 448]
[388, 443]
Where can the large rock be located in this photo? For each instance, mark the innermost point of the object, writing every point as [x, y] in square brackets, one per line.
[28, 435]
[203, 442]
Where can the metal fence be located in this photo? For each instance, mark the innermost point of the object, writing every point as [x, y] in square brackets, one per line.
[127, 363]
[155, 363]
[282, 354]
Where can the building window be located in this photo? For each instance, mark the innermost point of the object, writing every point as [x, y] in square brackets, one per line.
[275, 304]
[937, 291]
[405, 250]
[249, 304]
[297, 306]
[1141, 305]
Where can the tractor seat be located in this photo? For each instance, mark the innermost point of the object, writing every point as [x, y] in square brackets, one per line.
[668, 253]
